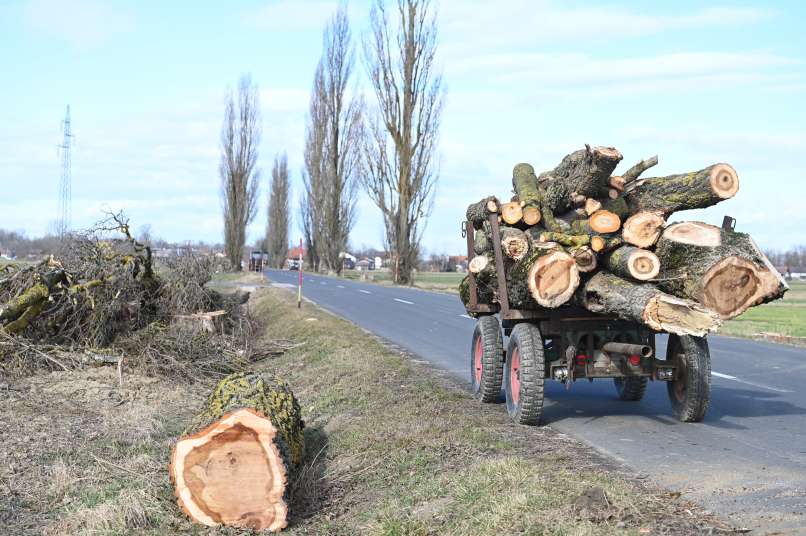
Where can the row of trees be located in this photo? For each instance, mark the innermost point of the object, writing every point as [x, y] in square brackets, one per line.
[387, 147]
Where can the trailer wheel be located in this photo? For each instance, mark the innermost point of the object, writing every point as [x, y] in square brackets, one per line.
[631, 388]
[690, 391]
[486, 359]
[524, 374]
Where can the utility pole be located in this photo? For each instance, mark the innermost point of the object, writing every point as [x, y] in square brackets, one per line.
[65, 188]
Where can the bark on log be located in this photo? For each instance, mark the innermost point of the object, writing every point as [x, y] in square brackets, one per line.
[635, 171]
[698, 189]
[632, 263]
[581, 173]
[524, 182]
[485, 290]
[643, 229]
[606, 293]
[477, 213]
[550, 274]
[235, 465]
[723, 270]
[481, 239]
[565, 239]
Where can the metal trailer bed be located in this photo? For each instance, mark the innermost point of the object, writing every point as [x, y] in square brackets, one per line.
[571, 343]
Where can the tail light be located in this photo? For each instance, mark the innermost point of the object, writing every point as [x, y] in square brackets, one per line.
[635, 360]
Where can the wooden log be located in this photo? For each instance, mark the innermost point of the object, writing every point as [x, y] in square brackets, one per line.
[606, 293]
[592, 205]
[632, 263]
[635, 171]
[514, 243]
[550, 274]
[600, 222]
[616, 182]
[585, 258]
[511, 212]
[234, 465]
[565, 239]
[481, 239]
[485, 291]
[211, 322]
[603, 244]
[483, 266]
[524, 182]
[477, 213]
[698, 189]
[723, 270]
[643, 229]
[582, 173]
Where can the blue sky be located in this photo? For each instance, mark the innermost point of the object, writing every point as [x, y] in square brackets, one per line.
[529, 81]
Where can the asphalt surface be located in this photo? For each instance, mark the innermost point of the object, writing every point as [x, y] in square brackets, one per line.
[746, 460]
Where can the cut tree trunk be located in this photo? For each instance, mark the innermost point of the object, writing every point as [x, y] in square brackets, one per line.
[723, 270]
[511, 212]
[600, 222]
[603, 244]
[234, 466]
[606, 293]
[514, 243]
[698, 189]
[550, 274]
[524, 182]
[481, 239]
[483, 266]
[632, 263]
[592, 205]
[584, 257]
[643, 229]
[582, 173]
[477, 213]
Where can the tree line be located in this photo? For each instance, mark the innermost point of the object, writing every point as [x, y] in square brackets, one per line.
[387, 146]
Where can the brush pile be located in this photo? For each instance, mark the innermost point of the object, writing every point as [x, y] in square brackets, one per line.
[103, 297]
[582, 235]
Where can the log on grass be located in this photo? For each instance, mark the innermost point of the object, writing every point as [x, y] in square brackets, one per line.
[631, 262]
[643, 229]
[477, 213]
[235, 464]
[606, 293]
[724, 270]
[698, 189]
[582, 173]
[524, 182]
[549, 273]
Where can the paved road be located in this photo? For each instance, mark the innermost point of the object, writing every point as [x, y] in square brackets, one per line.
[747, 460]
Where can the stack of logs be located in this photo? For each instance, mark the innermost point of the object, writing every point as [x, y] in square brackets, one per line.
[581, 235]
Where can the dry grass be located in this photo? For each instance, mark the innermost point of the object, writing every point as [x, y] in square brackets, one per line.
[391, 449]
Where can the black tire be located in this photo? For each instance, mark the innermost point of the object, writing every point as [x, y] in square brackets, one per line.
[524, 375]
[690, 391]
[631, 388]
[487, 360]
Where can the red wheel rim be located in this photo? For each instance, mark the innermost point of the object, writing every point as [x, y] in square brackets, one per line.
[478, 350]
[515, 375]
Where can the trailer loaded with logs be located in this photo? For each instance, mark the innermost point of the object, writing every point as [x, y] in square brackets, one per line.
[583, 268]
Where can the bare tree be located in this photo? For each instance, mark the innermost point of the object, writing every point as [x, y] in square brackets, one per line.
[399, 170]
[277, 227]
[240, 137]
[332, 151]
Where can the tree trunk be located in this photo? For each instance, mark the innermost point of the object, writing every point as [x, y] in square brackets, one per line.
[632, 263]
[698, 189]
[643, 229]
[582, 173]
[235, 465]
[481, 239]
[514, 243]
[635, 171]
[606, 293]
[477, 213]
[524, 182]
[486, 291]
[723, 270]
[550, 274]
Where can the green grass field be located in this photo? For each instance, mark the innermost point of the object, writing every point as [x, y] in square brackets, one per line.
[785, 317]
[442, 281]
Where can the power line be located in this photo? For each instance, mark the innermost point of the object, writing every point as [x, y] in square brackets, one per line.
[65, 188]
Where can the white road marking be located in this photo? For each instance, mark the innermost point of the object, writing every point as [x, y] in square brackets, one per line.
[467, 316]
[364, 291]
[322, 283]
[340, 286]
[752, 384]
[404, 301]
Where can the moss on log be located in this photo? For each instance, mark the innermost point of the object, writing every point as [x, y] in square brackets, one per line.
[485, 290]
[606, 293]
[481, 239]
[234, 465]
[524, 182]
[477, 213]
[565, 239]
[582, 173]
[723, 270]
[698, 189]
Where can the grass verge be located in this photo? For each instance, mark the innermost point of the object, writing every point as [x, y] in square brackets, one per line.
[391, 449]
[784, 317]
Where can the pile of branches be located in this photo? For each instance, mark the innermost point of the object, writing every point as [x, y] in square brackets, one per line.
[103, 297]
[580, 234]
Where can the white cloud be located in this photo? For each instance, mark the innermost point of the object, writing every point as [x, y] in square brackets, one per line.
[81, 23]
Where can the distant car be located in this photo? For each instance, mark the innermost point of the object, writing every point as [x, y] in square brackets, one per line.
[293, 265]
